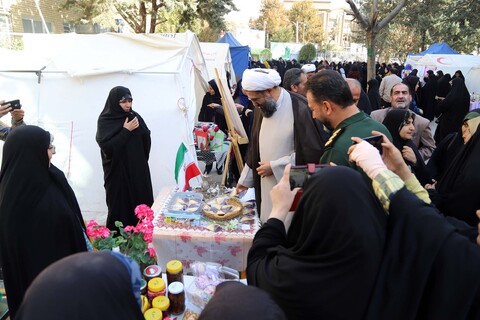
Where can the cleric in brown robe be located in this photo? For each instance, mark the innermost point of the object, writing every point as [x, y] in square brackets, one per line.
[283, 132]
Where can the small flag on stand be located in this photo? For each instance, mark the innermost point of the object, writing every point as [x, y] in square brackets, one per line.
[185, 168]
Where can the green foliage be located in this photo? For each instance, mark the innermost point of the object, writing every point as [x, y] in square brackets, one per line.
[304, 16]
[265, 55]
[424, 22]
[166, 15]
[214, 11]
[273, 19]
[307, 53]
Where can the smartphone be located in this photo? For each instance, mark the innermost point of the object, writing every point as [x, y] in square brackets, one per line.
[130, 116]
[300, 174]
[14, 104]
[375, 141]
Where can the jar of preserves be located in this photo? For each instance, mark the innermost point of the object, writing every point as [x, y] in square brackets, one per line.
[176, 294]
[153, 314]
[174, 271]
[145, 304]
[156, 287]
[143, 287]
[162, 303]
[152, 271]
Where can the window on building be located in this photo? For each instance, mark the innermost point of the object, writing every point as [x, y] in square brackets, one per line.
[4, 23]
[35, 26]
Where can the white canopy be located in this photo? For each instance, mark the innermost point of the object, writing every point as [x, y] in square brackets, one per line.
[217, 55]
[63, 81]
[449, 63]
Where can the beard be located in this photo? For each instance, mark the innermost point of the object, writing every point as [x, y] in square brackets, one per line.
[401, 104]
[269, 107]
[327, 124]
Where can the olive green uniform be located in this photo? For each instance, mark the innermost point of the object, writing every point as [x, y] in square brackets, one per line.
[359, 125]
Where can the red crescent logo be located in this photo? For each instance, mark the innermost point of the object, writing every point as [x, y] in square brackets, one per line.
[440, 60]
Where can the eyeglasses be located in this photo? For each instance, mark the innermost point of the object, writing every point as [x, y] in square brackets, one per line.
[126, 100]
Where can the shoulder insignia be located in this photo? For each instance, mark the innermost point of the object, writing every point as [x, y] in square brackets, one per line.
[334, 136]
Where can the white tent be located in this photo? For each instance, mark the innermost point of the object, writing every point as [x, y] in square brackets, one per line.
[449, 63]
[63, 81]
[217, 55]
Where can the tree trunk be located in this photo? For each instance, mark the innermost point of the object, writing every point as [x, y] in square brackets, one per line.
[143, 18]
[371, 44]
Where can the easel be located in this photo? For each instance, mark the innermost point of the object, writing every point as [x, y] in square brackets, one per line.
[235, 138]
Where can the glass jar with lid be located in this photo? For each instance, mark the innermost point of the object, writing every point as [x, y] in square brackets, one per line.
[174, 271]
[176, 294]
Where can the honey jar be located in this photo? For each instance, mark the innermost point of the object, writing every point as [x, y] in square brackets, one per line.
[153, 314]
[174, 271]
[152, 271]
[176, 294]
[156, 287]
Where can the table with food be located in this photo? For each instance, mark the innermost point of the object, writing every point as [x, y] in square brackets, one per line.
[168, 293]
[208, 225]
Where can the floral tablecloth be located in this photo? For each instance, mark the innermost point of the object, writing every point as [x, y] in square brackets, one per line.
[226, 243]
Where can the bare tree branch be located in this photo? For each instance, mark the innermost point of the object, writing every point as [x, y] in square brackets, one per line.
[358, 15]
[391, 15]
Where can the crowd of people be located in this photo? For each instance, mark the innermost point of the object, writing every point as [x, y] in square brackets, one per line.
[377, 234]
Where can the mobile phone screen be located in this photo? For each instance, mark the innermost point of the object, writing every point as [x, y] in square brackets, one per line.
[375, 141]
[298, 176]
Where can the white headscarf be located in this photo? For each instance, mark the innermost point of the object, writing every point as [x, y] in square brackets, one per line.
[260, 79]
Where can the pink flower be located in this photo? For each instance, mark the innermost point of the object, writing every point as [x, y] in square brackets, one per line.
[144, 212]
[91, 228]
[132, 240]
[151, 252]
[95, 231]
[130, 228]
[103, 232]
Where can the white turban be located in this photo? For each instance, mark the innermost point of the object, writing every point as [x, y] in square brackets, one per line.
[309, 68]
[260, 79]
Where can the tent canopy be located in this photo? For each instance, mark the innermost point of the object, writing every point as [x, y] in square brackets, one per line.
[449, 63]
[240, 54]
[436, 48]
[217, 56]
[165, 72]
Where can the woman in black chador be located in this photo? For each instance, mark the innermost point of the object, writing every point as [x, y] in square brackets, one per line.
[124, 140]
[452, 109]
[40, 220]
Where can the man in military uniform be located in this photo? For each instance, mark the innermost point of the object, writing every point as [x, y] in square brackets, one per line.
[331, 101]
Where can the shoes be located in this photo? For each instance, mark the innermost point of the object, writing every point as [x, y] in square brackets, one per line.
[205, 175]
[220, 170]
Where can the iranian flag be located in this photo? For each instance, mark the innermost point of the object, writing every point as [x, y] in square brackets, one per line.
[185, 168]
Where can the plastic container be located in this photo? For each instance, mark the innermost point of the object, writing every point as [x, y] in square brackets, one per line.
[153, 314]
[152, 271]
[185, 205]
[176, 294]
[156, 287]
[174, 271]
[162, 303]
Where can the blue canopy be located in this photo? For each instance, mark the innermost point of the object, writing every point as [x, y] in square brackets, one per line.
[240, 54]
[436, 48]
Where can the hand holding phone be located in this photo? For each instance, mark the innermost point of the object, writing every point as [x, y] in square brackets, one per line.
[375, 141]
[14, 104]
[299, 176]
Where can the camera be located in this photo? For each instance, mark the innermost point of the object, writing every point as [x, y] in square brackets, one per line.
[375, 141]
[300, 174]
[14, 104]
